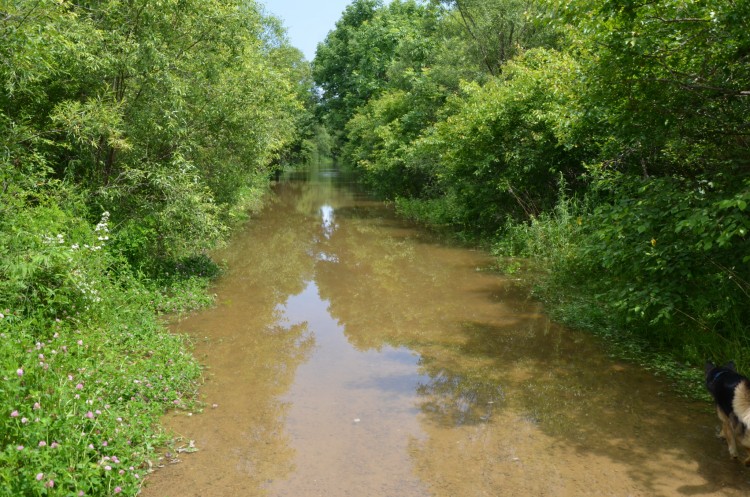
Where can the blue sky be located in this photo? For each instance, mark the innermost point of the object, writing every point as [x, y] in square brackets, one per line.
[307, 21]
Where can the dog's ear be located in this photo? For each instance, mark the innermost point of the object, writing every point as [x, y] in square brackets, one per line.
[730, 365]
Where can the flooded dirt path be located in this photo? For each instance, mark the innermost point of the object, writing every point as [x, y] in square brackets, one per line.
[351, 354]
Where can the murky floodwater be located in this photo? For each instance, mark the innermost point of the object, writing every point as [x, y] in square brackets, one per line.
[353, 355]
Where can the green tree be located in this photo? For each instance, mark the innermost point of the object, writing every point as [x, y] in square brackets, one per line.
[667, 82]
[498, 30]
[356, 61]
[501, 152]
[164, 112]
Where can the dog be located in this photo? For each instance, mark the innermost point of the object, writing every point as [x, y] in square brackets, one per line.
[731, 392]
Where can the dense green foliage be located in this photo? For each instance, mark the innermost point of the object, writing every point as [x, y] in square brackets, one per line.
[608, 139]
[132, 133]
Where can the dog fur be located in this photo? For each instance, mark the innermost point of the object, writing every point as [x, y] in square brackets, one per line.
[731, 392]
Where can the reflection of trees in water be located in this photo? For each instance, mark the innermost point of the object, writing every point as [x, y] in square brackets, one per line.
[459, 399]
[277, 354]
[270, 259]
[376, 286]
[256, 353]
[388, 286]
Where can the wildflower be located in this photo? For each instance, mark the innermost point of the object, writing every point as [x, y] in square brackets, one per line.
[37, 405]
[51, 483]
[79, 386]
[2, 315]
[80, 342]
[14, 414]
[24, 420]
[118, 490]
[121, 472]
[42, 443]
[81, 494]
[39, 476]
[20, 447]
[19, 372]
[90, 415]
[91, 446]
[108, 468]
[104, 443]
[54, 445]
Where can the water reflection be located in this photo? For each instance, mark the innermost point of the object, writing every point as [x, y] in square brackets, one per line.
[326, 213]
[351, 354]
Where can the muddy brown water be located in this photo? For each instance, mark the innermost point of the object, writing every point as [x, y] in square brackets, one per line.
[351, 354]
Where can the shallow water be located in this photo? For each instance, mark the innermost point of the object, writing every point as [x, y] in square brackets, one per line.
[351, 354]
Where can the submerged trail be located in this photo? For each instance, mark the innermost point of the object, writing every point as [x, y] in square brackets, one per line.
[351, 353]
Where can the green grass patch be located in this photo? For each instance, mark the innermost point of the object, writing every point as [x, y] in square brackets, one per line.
[87, 365]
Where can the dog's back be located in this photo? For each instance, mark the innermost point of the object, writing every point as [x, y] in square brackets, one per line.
[721, 382]
[741, 402]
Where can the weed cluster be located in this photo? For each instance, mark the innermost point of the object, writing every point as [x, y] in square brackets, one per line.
[86, 366]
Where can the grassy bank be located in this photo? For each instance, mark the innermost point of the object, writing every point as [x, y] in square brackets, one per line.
[87, 365]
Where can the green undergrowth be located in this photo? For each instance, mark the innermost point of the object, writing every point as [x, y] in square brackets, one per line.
[87, 363]
[652, 291]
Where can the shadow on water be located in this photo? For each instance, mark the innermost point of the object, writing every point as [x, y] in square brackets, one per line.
[352, 354]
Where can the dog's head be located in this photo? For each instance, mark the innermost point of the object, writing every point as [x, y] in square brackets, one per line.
[714, 374]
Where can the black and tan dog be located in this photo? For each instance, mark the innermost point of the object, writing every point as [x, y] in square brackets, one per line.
[731, 391]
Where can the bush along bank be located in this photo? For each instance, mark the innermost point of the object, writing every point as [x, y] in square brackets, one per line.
[668, 302]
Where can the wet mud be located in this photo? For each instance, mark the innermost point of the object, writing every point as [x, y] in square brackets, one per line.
[352, 354]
